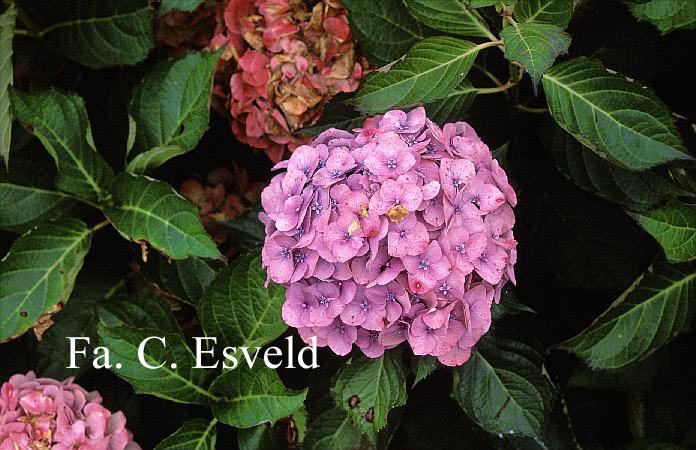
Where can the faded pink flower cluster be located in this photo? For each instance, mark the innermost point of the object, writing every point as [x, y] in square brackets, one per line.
[43, 413]
[291, 61]
[401, 231]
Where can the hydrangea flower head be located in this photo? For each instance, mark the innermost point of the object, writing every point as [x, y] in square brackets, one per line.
[38, 413]
[291, 60]
[400, 231]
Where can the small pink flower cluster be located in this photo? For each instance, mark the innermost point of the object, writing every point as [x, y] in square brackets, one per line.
[401, 231]
[43, 413]
[291, 61]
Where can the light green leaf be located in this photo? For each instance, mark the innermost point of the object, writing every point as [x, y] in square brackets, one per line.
[181, 383]
[150, 210]
[502, 388]
[660, 304]
[60, 122]
[238, 309]
[332, 430]
[195, 434]
[31, 205]
[535, 45]
[666, 15]
[179, 5]
[431, 69]
[39, 272]
[453, 107]
[369, 387]
[422, 366]
[94, 32]
[674, 228]
[384, 29]
[137, 311]
[450, 16]
[617, 119]
[253, 396]
[171, 107]
[7, 25]
[635, 190]
[153, 158]
[185, 278]
[557, 12]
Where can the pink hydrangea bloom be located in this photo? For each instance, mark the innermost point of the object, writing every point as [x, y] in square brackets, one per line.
[397, 232]
[291, 61]
[38, 413]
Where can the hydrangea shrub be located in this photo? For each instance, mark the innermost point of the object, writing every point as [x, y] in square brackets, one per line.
[244, 178]
[399, 231]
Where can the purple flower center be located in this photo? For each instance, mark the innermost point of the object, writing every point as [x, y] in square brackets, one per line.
[285, 252]
[340, 328]
[423, 265]
[456, 182]
[299, 257]
[317, 207]
[366, 171]
[483, 258]
[429, 149]
[300, 232]
[402, 125]
[336, 173]
[476, 201]
[461, 248]
[391, 164]
[365, 306]
[445, 288]
[391, 297]
[346, 236]
[410, 140]
[321, 163]
[402, 233]
[324, 301]
[373, 336]
[334, 204]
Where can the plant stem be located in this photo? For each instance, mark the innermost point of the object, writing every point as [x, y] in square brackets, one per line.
[527, 109]
[100, 225]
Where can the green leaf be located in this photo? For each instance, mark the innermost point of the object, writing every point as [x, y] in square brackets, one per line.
[450, 16]
[634, 190]
[337, 114]
[93, 32]
[39, 272]
[237, 308]
[453, 107]
[666, 15]
[179, 5]
[181, 384]
[78, 318]
[7, 25]
[430, 70]
[185, 278]
[502, 387]
[585, 237]
[150, 210]
[247, 231]
[508, 305]
[154, 158]
[171, 107]
[30, 206]
[674, 227]
[137, 311]
[535, 45]
[617, 119]
[285, 434]
[332, 430]
[384, 29]
[196, 434]
[422, 366]
[369, 387]
[557, 12]
[253, 396]
[660, 304]
[60, 122]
